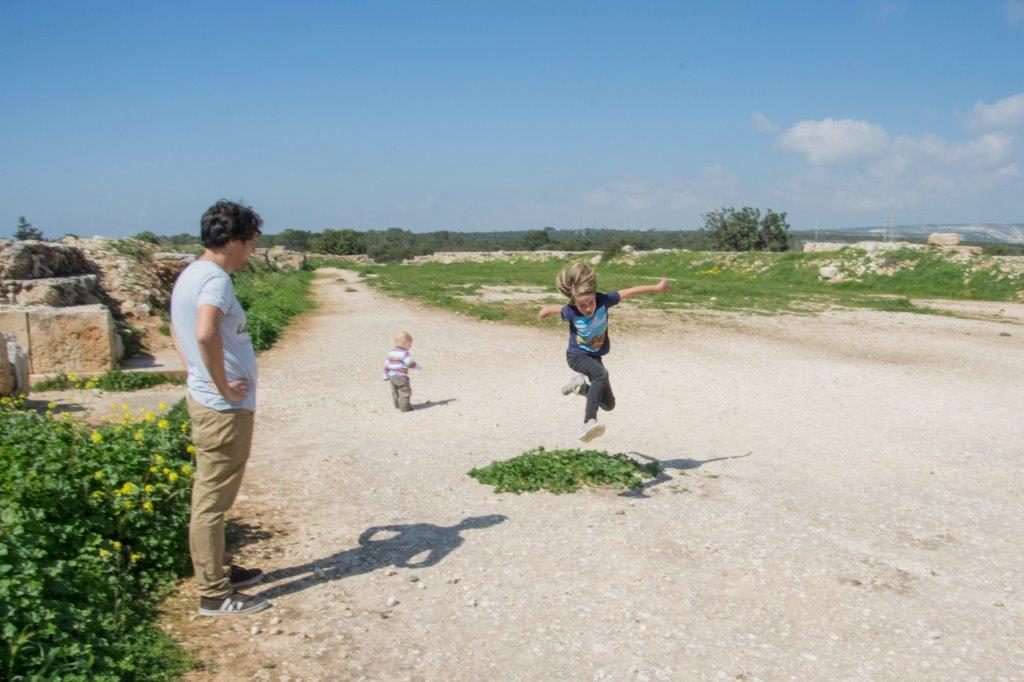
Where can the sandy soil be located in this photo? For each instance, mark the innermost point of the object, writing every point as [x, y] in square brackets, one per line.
[842, 499]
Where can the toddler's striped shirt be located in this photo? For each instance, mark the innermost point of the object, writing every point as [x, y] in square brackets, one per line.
[398, 362]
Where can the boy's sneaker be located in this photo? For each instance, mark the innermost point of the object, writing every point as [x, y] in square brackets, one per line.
[244, 577]
[591, 430]
[232, 605]
[578, 385]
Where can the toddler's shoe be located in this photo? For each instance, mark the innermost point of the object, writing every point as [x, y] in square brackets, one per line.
[578, 385]
[591, 429]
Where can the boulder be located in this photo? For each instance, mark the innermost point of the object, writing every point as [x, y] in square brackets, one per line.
[14, 323]
[75, 339]
[35, 260]
[829, 273]
[944, 239]
[60, 292]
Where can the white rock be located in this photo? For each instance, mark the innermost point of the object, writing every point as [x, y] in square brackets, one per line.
[471, 601]
[392, 601]
[275, 621]
[254, 630]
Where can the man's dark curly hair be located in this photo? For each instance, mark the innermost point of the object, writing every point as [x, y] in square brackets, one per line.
[226, 221]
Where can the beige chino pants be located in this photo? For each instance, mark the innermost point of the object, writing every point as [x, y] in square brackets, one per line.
[223, 441]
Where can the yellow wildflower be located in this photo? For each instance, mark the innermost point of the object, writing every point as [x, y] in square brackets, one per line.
[163, 424]
[96, 437]
[139, 434]
[150, 416]
[191, 449]
[104, 553]
[147, 505]
[172, 476]
[186, 469]
[149, 487]
[134, 558]
[72, 376]
[91, 383]
[166, 471]
[116, 545]
[158, 459]
[97, 495]
[51, 405]
[98, 475]
[154, 470]
[128, 488]
[128, 504]
[184, 427]
[161, 406]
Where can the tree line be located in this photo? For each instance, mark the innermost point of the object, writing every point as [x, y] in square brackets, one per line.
[727, 229]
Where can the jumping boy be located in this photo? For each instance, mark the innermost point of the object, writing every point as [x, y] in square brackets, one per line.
[587, 316]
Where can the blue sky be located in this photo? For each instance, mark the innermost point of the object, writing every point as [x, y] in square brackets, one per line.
[121, 117]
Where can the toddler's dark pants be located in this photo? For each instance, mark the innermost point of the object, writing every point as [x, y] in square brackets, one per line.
[600, 393]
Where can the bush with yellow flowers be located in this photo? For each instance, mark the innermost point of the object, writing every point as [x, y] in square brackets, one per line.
[93, 530]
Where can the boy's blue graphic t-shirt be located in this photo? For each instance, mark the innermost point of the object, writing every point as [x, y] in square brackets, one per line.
[590, 334]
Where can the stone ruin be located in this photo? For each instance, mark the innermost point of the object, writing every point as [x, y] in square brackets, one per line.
[65, 306]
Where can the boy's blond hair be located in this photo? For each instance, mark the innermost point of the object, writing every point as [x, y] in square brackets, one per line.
[403, 337]
[576, 279]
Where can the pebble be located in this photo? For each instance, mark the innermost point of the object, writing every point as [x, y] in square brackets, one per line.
[276, 631]
[391, 571]
[470, 601]
[421, 586]
[254, 630]
[392, 600]
[275, 621]
[414, 578]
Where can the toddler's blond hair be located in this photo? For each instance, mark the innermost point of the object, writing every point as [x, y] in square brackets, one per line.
[403, 338]
[576, 279]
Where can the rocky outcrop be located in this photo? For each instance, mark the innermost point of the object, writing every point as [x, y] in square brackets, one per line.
[36, 260]
[54, 291]
[943, 239]
[281, 258]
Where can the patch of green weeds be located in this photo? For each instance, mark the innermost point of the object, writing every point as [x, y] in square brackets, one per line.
[564, 471]
[114, 380]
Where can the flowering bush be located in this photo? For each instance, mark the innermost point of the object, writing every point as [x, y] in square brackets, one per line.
[93, 529]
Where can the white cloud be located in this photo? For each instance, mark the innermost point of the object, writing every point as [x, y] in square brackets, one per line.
[1014, 10]
[624, 198]
[1006, 113]
[835, 141]
[762, 124]
[857, 167]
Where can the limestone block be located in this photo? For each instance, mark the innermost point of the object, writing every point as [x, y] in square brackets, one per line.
[944, 239]
[6, 370]
[14, 321]
[822, 247]
[75, 339]
[54, 291]
[34, 260]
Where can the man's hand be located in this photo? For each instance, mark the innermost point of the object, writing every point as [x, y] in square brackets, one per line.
[662, 286]
[236, 391]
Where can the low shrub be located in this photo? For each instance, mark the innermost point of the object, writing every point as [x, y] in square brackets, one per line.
[564, 471]
[93, 531]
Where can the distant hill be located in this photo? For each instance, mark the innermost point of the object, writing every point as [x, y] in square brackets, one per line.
[1001, 233]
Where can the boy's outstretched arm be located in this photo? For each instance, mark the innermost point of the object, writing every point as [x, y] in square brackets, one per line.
[549, 310]
[659, 288]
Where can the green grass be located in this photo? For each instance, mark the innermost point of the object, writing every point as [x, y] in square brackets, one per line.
[762, 283]
[271, 299]
[564, 471]
[114, 380]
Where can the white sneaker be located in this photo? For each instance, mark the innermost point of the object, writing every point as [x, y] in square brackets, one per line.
[578, 385]
[591, 430]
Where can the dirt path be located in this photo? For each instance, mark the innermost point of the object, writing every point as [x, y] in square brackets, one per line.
[842, 500]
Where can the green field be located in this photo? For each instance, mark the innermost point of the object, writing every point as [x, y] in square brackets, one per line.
[759, 283]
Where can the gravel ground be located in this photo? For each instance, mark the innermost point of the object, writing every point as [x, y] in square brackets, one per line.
[839, 501]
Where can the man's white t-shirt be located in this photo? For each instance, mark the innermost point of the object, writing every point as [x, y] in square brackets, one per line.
[206, 283]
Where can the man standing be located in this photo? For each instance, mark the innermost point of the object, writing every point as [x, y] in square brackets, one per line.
[209, 331]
